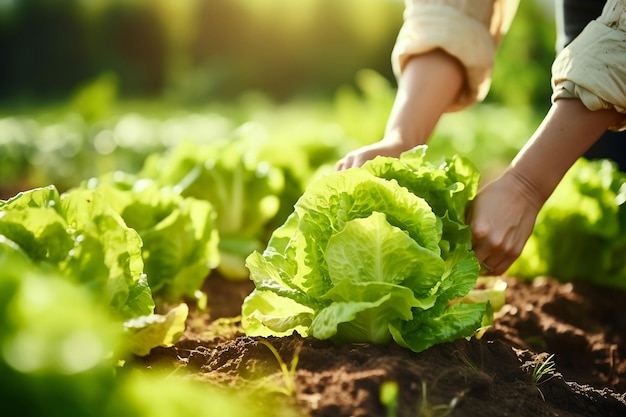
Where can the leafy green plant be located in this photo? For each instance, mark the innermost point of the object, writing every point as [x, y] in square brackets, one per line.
[179, 236]
[373, 254]
[60, 344]
[543, 370]
[86, 239]
[244, 193]
[79, 236]
[57, 339]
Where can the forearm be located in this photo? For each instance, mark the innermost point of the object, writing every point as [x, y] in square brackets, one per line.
[429, 84]
[503, 215]
[568, 130]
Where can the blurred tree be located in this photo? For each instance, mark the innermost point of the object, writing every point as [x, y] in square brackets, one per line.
[278, 48]
[43, 49]
[132, 44]
[205, 50]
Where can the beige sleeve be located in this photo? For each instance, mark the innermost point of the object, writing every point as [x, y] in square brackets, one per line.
[469, 30]
[593, 67]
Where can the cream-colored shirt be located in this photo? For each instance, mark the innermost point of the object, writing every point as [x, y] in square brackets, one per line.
[469, 30]
[592, 68]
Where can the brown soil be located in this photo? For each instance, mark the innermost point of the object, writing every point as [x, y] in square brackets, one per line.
[583, 327]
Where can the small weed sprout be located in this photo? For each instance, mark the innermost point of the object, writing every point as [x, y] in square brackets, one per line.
[543, 371]
[427, 409]
[288, 372]
[468, 363]
[389, 397]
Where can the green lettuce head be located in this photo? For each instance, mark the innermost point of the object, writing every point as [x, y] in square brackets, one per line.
[373, 254]
[243, 192]
[80, 237]
[178, 234]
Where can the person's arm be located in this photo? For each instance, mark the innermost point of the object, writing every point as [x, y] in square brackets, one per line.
[442, 59]
[430, 83]
[503, 214]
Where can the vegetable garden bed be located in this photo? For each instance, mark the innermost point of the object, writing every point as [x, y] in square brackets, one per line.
[554, 350]
[374, 264]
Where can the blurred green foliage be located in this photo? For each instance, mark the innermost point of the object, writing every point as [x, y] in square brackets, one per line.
[91, 86]
[194, 51]
[521, 75]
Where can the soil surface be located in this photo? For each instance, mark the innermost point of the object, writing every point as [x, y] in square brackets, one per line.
[554, 350]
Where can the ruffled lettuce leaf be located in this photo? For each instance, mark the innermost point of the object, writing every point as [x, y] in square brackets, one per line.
[145, 332]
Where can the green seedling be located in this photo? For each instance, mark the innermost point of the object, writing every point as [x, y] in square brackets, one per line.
[543, 372]
[426, 409]
[288, 372]
[467, 361]
[389, 393]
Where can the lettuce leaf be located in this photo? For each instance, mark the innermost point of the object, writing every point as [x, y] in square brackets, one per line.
[373, 254]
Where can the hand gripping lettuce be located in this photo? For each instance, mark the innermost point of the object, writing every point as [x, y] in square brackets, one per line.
[580, 233]
[373, 254]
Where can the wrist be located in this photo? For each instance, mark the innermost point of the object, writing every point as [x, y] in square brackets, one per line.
[395, 137]
[530, 187]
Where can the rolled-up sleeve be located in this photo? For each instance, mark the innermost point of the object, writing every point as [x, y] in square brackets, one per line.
[469, 30]
[593, 67]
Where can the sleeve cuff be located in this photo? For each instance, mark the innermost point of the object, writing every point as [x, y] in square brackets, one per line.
[592, 68]
[428, 26]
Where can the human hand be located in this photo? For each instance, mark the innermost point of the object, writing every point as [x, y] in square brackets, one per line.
[501, 218]
[429, 85]
[385, 147]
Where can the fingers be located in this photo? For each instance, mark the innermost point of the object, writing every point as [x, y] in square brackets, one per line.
[501, 219]
[496, 252]
[358, 157]
[345, 163]
[491, 247]
[354, 159]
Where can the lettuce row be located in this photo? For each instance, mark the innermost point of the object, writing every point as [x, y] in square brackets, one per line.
[373, 254]
[56, 340]
[81, 236]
